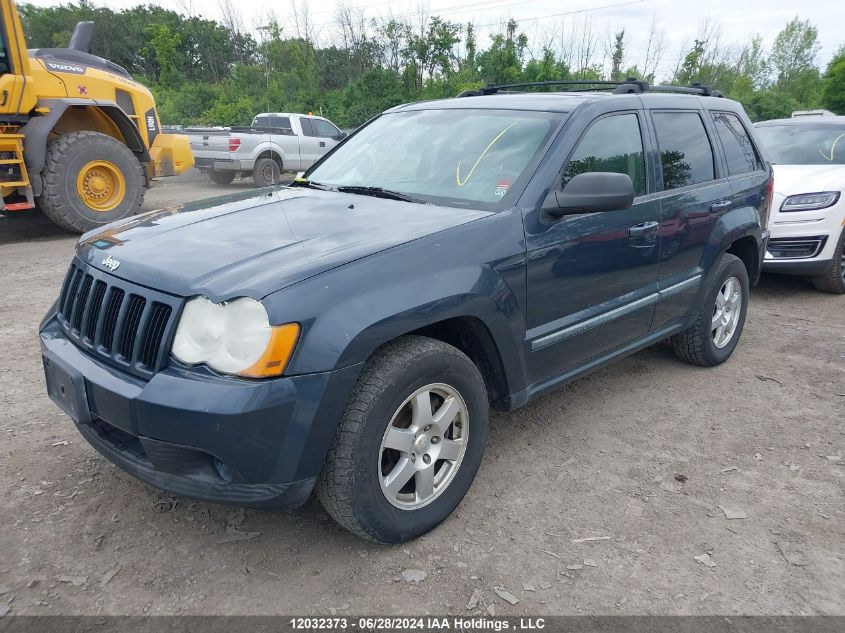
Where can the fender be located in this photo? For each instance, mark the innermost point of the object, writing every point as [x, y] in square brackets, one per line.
[736, 224]
[38, 129]
[271, 147]
[439, 278]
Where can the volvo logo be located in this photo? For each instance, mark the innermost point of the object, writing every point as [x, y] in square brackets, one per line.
[111, 263]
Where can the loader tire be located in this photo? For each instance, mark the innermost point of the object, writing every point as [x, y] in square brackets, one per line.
[90, 179]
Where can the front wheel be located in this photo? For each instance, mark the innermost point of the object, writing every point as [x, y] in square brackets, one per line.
[834, 279]
[714, 334]
[90, 179]
[409, 444]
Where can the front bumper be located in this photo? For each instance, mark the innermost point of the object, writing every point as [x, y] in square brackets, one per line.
[255, 443]
[803, 242]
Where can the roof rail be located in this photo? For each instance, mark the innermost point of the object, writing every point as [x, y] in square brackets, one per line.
[630, 85]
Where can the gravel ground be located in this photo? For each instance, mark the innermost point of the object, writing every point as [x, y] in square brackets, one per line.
[650, 457]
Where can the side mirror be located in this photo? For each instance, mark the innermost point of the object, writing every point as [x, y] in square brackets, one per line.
[340, 136]
[591, 192]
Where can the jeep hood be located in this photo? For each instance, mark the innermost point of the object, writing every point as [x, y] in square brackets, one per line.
[258, 242]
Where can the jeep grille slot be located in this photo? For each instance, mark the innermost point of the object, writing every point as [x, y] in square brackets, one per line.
[159, 316]
[94, 311]
[116, 321]
[130, 325]
[81, 299]
[110, 320]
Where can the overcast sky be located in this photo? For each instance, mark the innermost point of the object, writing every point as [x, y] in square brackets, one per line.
[681, 20]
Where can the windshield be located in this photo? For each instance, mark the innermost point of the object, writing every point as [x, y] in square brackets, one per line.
[822, 144]
[452, 157]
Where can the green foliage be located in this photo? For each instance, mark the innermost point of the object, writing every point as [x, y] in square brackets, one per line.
[833, 90]
[202, 72]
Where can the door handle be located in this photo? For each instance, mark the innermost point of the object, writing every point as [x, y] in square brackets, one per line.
[721, 205]
[5, 98]
[322, 143]
[646, 229]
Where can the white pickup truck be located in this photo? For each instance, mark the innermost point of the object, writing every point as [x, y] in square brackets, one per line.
[275, 142]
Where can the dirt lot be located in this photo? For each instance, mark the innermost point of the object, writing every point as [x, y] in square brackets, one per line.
[649, 454]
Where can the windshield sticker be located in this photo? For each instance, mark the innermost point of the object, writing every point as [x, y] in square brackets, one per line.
[486, 149]
[502, 188]
[832, 148]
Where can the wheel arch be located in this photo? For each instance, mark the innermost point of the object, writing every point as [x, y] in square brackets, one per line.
[737, 232]
[73, 115]
[271, 150]
[471, 336]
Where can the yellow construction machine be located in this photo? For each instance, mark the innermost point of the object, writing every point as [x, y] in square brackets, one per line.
[78, 137]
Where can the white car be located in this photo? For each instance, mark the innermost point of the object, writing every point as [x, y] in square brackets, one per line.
[807, 221]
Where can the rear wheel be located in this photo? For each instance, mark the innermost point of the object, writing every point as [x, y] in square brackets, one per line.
[221, 177]
[90, 179]
[409, 444]
[714, 334]
[266, 172]
[834, 279]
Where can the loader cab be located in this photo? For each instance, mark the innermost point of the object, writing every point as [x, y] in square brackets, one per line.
[17, 95]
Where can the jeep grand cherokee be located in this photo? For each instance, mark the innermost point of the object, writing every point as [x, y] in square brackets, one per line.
[349, 333]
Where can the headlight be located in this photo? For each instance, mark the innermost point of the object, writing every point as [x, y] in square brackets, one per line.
[233, 337]
[810, 201]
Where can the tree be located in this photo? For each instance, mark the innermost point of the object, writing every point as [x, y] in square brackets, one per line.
[794, 60]
[833, 92]
[617, 56]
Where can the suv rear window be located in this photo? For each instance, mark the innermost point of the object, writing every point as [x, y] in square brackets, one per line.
[739, 150]
[685, 151]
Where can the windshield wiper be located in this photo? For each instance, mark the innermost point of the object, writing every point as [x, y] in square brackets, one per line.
[302, 182]
[378, 192]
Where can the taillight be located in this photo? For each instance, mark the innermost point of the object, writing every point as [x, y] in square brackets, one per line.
[770, 192]
[234, 144]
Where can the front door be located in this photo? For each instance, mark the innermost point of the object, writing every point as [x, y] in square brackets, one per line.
[592, 277]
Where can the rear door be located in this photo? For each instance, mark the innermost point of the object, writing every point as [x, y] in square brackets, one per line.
[592, 277]
[746, 171]
[695, 193]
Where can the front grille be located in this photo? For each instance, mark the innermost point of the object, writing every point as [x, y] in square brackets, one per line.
[796, 247]
[121, 323]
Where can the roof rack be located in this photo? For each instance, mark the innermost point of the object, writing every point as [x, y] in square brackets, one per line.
[631, 85]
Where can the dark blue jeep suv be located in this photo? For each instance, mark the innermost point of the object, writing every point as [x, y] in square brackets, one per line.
[349, 332]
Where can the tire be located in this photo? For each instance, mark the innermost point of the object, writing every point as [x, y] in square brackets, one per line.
[351, 484]
[221, 177]
[266, 172]
[834, 279]
[701, 344]
[68, 157]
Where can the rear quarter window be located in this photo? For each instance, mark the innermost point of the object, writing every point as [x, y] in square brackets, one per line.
[686, 156]
[740, 153]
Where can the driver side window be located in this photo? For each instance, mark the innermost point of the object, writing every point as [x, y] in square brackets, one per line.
[613, 143]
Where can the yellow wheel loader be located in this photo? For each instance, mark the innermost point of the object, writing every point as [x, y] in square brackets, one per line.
[78, 137]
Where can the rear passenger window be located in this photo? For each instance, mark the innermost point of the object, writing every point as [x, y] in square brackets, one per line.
[739, 150]
[685, 152]
[614, 144]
